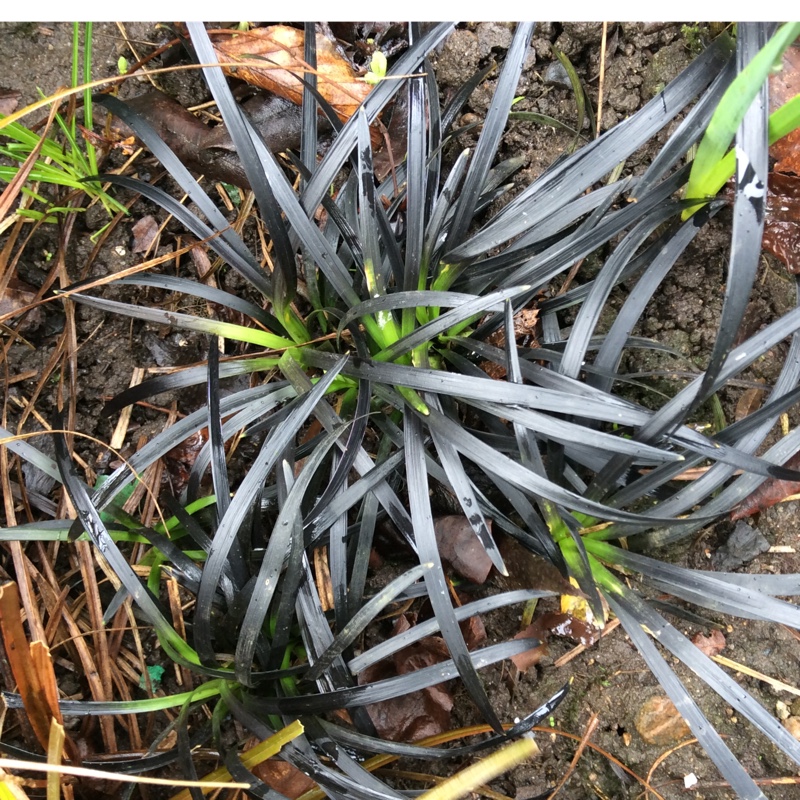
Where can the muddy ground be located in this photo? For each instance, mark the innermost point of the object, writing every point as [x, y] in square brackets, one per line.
[609, 679]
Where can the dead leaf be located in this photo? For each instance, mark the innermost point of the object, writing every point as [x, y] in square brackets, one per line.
[180, 459]
[571, 627]
[416, 715]
[210, 150]
[9, 100]
[474, 632]
[782, 220]
[461, 548]
[530, 658]
[281, 49]
[526, 323]
[17, 295]
[284, 778]
[771, 492]
[710, 645]
[749, 402]
[784, 86]
[201, 261]
[32, 667]
[144, 232]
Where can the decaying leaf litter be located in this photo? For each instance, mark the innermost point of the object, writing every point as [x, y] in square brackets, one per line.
[674, 332]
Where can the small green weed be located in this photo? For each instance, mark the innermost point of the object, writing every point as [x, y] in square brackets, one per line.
[64, 158]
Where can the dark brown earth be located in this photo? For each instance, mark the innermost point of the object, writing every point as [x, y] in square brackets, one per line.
[610, 679]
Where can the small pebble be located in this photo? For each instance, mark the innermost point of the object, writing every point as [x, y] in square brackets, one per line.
[556, 75]
[659, 722]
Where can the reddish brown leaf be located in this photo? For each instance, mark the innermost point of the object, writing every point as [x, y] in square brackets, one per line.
[770, 492]
[280, 49]
[749, 402]
[201, 261]
[526, 322]
[530, 658]
[144, 231]
[567, 625]
[180, 459]
[474, 632]
[711, 645]
[419, 714]
[284, 778]
[784, 86]
[9, 100]
[31, 666]
[782, 221]
[461, 548]
[17, 295]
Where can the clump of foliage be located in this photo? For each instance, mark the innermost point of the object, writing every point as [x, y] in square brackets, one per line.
[379, 322]
[60, 156]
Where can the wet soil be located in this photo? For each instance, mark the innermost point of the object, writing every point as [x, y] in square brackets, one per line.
[609, 679]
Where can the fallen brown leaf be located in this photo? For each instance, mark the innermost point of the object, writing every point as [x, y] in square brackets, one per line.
[749, 402]
[17, 295]
[711, 645]
[770, 492]
[416, 715]
[782, 220]
[526, 324]
[144, 232]
[474, 632]
[210, 150]
[32, 667]
[284, 778]
[280, 47]
[460, 547]
[180, 459]
[9, 100]
[784, 86]
[530, 658]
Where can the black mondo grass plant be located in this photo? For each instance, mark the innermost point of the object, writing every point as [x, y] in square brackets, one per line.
[378, 321]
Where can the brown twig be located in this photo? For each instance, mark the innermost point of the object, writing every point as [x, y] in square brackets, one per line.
[588, 732]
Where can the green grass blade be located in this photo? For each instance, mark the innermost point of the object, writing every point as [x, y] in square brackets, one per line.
[731, 110]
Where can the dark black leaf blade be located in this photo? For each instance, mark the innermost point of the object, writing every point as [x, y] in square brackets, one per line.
[463, 490]
[362, 618]
[730, 691]
[234, 254]
[749, 209]
[175, 647]
[247, 494]
[287, 526]
[428, 550]
[709, 590]
[377, 99]
[588, 165]
[634, 622]
[388, 688]
[187, 321]
[175, 166]
[431, 626]
[285, 273]
[493, 127]
[370, 744]
[190, 376]
[210, 293]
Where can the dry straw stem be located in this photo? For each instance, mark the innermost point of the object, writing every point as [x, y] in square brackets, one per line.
[469, 779]
[84, 772]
